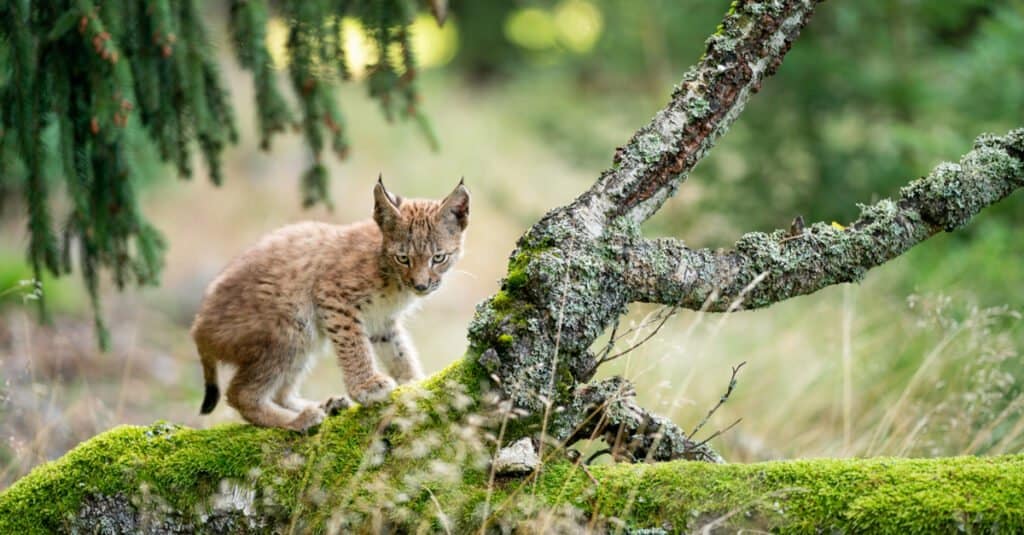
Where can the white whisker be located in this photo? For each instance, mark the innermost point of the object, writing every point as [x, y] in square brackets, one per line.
[464, 272]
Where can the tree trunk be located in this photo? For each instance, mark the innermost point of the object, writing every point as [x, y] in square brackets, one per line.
[422, 462]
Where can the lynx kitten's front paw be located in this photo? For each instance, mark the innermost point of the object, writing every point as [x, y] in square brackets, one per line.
[309, 417]
[374, 390]
[408, 375]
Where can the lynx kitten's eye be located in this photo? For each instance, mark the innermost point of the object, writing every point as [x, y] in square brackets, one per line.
[440, 258]
[402, 259]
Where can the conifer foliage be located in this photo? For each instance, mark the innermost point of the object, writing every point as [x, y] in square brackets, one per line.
[88, 87]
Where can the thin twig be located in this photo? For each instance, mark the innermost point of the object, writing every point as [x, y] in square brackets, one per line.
[791, 238]
[721, 400]
[554, 366]
[717, 433]
[596, 454]
[441, 517]
[650, 319]
[611, 340]
[735, 305]
[709, 528]
[591, 476]
[697, 321]
[493, 472]
[664, 319]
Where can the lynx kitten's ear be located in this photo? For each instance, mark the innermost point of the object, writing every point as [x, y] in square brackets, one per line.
[385, 205]
[456, 205]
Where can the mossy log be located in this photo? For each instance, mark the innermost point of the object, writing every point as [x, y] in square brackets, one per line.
[355, 472]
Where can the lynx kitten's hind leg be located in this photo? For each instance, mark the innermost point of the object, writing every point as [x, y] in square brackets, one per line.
[249, 393]
[287, 394]
[288, 398]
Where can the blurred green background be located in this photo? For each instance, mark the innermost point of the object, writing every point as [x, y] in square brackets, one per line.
[529, 100]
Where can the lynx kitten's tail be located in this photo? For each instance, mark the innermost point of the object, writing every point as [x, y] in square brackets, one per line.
[210, 377]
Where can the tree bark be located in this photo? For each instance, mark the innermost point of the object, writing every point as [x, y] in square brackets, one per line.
[421, 462]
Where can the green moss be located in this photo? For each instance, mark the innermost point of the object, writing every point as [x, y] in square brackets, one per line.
[508, 309]
[501, 301]
[506, 339]
[465, 372]
[883, 495]
[519, 264]
[517, 277]
[564, 383]
[184, 467]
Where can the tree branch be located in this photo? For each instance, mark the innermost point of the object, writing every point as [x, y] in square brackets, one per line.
[608, 410]
[666, 271]
[747, 48]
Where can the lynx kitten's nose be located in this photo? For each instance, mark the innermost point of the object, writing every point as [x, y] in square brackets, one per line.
[421, 287]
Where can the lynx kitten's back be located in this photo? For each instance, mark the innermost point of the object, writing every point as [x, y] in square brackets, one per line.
[304, 285]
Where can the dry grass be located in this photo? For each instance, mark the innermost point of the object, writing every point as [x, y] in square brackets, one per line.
[830, 375]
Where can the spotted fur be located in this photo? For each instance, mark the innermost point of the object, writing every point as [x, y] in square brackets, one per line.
[310, 285]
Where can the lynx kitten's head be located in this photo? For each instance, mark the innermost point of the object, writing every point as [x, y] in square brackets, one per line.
[422, 237]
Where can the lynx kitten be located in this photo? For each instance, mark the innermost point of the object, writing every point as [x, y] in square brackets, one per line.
[277, 304]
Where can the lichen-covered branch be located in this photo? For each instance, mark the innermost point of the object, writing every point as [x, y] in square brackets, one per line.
[767, 268]
[747, 48]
